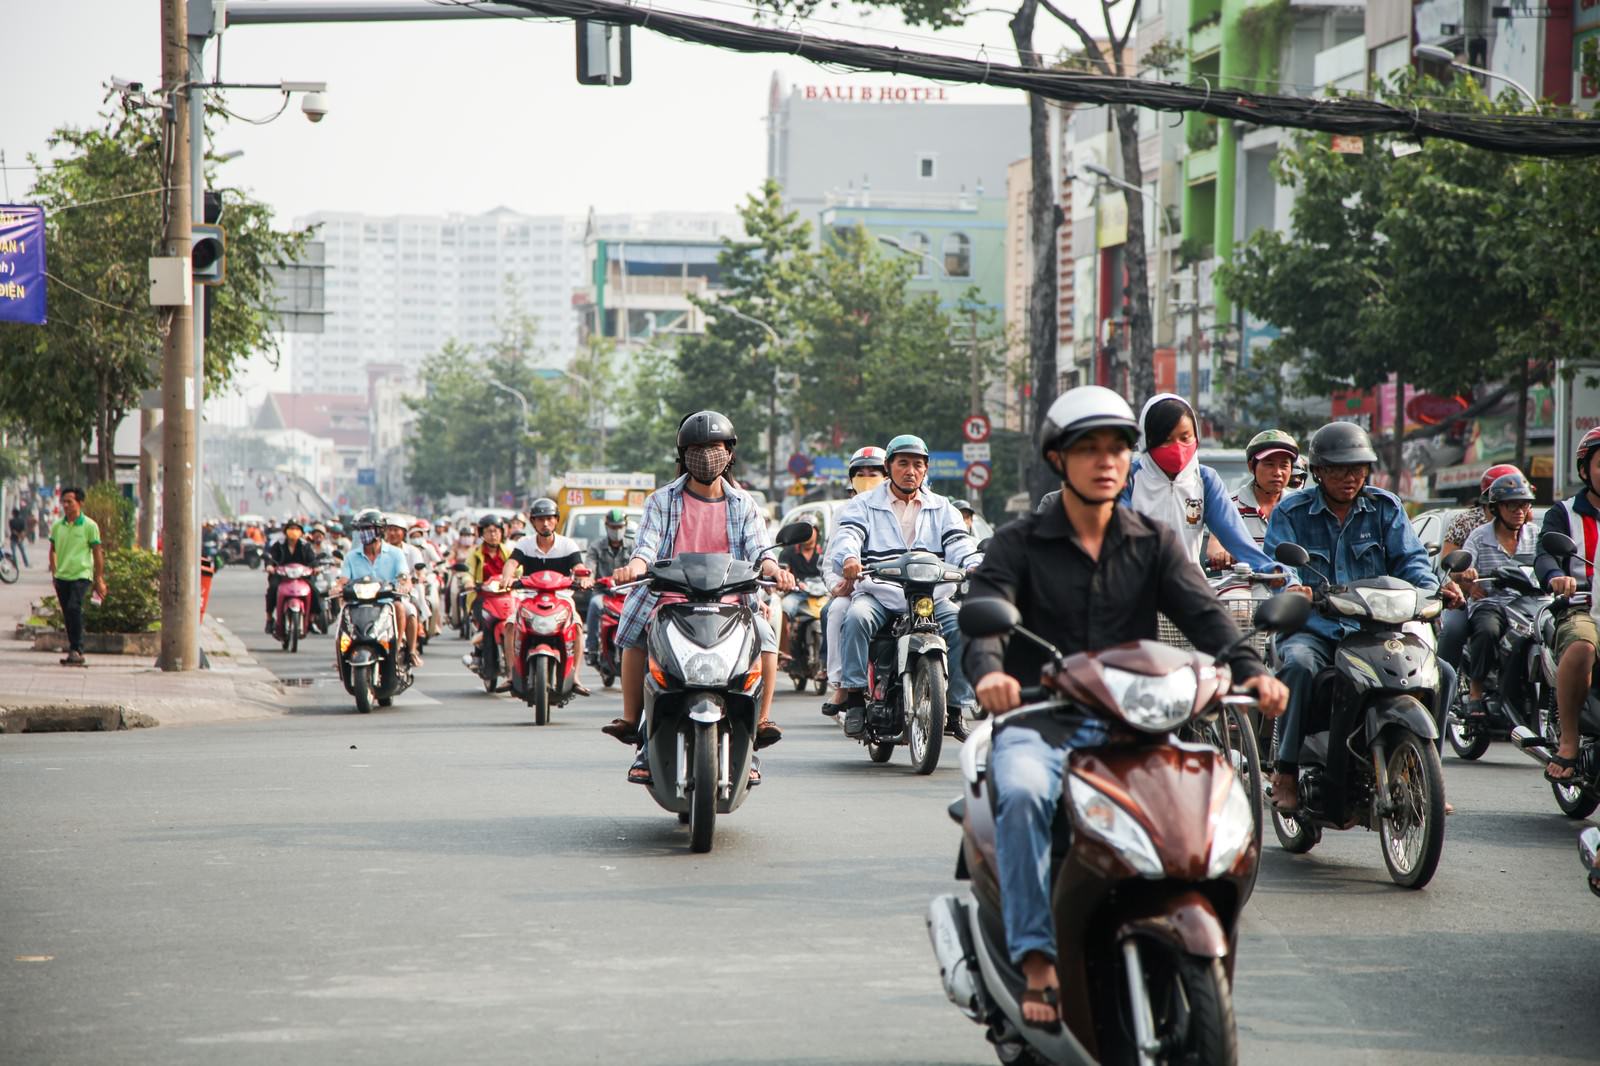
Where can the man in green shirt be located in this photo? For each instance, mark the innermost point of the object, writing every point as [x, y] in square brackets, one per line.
[75, 557]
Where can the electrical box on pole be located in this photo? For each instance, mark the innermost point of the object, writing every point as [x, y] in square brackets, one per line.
[605, 54]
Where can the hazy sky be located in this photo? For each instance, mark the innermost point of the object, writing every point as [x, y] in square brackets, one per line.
[450, 116]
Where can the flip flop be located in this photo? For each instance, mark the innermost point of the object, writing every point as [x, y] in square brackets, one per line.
[1564, 764]
[619, 728]
[1046, 997]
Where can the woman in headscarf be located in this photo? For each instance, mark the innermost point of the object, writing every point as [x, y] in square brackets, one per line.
[1168, 484]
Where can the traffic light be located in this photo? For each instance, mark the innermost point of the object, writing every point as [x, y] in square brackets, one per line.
[206, 254]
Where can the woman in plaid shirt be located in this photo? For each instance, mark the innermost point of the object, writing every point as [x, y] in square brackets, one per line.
[702, 511]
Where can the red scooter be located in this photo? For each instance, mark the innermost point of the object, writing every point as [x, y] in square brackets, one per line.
[545, 646]
[608, 660]
[497, 604]
[293, 612]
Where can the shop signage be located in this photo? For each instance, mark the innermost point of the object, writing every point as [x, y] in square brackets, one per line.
[22, 264]
[875, 94]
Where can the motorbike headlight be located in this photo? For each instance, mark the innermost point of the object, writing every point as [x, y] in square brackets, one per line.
[923, 607]
[925, 573]
[1234, 829]
[707, 667]
[1154, 703]
[1104, 819]
[1389, 606]
[365, 590]
[545, 624]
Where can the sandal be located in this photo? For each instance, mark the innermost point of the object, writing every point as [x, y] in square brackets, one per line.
[1047, 997]
[1564, 764]
[639, 774]
[622, 730]
[767, 734]
[755, 773]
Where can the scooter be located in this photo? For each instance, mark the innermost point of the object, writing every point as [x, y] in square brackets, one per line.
[326, 613]
[1154, 858]
[1588, 846]
[373, 660]
[457, 614]
[608, 662]
[497, 606]
[1513, 691]
[806, 662]
[292, 616]
[908, 665]
[702, 694]
[1580, 798]
[1368, 757]
[545, 642]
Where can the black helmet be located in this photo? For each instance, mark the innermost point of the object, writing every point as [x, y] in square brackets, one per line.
[1508, 488]
[705, 427]
[965, 506]
[489, 520]
[1341, 444]
[370, 518]
[544, 507]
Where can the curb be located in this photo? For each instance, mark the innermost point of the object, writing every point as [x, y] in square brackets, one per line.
[72, 718]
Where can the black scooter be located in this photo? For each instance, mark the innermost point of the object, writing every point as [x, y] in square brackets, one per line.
[1368, 755]
[702, 695]
[374, 663]
[1513, 691]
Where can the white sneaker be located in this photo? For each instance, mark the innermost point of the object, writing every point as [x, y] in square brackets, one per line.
[466, 660]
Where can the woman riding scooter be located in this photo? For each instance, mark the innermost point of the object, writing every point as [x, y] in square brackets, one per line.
[1495, 544]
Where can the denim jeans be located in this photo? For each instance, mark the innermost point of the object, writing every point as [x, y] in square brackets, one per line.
[591, 622]
[1025, 772]
[866, 616]
[18, 550]
[1304, 655]
[1453, 629]
[833, 634]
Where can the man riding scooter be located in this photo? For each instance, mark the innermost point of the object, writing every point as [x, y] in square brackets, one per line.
[606, 556]
[1352, 530]
[1085, 574]
[900, 516]
[867, 470]
[293, 548]
[1576, 631]
[545, 549]
[384, 563]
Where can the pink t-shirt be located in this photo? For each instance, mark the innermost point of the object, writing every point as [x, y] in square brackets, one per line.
[703, 527]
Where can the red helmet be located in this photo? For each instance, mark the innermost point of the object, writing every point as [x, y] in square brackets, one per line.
[1498, 470]
[1587, 446]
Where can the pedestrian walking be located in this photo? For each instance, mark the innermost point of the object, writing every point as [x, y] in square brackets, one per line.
[76, 561]
[19, 526]
[33, 522]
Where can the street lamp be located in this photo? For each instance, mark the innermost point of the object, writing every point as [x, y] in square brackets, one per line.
[1102, 175]
[527, 420]
[772, 398]
[903, 250]
[1444, 55]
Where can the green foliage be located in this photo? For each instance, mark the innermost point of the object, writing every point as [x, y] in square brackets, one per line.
[84, 370]
[132, 601]
[648, 419]
[1262, 29]
[1166, 57]
[112, 512]
[1202, 134]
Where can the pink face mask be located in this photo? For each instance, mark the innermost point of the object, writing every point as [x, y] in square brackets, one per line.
[1174, 456]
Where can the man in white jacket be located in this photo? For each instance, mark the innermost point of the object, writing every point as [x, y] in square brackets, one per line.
[899, 516]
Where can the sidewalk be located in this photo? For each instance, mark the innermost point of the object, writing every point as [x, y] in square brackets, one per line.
[38, 694]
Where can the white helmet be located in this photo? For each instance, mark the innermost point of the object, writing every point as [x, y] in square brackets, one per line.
[1079, 410]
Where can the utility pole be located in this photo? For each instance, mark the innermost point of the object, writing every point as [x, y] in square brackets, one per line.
[976, 405]
[1194, 341]
[147, 482]
[180, 556]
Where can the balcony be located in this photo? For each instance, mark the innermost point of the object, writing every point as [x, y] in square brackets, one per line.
[1202, 165]
[1205, 38]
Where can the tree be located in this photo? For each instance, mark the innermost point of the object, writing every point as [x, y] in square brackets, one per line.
[80, 374]
[1397, 266]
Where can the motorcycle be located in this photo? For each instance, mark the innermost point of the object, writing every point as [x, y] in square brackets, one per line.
[1368, 756]
[608, 662]
[702, 694]
[497, 607]
[908, 665]
[545, 643]
[373, 661]
[1513, 691]
[326, 613]
[1580, 798]
[457, 614]
[1156, 854]
[806, 663]
[1588, 846]
[292, 615]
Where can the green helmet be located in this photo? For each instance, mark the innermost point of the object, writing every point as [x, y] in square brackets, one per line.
[616, 517]
[1271, 440]
[905, 444]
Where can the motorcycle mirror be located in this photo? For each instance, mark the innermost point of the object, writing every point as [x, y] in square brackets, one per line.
[1558, 544]
[1456, 561]
[1284, 613]
[795, 533]
[1291, 554]
[988, 616]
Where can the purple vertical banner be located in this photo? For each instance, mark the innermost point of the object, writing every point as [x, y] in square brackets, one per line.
[22, 264]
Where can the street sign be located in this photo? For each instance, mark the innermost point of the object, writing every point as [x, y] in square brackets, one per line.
[799, 464]
[978, 476]
[366, 475]
[975, 453]
[975, 428]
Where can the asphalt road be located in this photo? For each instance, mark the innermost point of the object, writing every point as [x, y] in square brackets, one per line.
[444, 882]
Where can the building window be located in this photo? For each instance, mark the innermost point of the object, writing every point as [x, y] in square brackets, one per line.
[926, 166]
[957, 256]
[922, 251]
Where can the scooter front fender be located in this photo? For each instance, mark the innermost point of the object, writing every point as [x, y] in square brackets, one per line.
[1397, 709]
[915, 645]
[1188, 922]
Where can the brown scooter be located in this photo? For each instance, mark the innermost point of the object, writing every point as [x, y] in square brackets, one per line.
[1162, 857]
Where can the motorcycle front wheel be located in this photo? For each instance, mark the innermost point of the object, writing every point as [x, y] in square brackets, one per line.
[363, 693]
[1191, 1007]
[542, 683]
[1413, 834]
[8, 569]
[291, 640]
[703, 800]
[925, 723]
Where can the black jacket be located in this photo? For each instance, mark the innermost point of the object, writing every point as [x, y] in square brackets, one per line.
[281, 554]
[1080, 604]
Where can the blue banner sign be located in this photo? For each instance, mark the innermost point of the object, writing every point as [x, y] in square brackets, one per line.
[22, 264]
[943, 466]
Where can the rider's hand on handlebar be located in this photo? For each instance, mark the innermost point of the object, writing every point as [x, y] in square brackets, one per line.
[851, 569]
[1304, 590]
[1564, 585]
[633, 571]
[1272, 695]
[1218, 558]
[998, 692]
[773, 572]
[1452, 594]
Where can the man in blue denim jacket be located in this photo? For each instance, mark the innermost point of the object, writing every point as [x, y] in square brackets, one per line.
[1351, 530]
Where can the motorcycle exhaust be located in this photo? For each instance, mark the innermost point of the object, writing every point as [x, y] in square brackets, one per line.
[952, 947]
[1531, 744]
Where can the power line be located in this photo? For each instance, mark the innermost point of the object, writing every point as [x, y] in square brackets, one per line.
[1519, 134]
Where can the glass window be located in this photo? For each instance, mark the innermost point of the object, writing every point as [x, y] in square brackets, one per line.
[926, 167]
[957, 256]
[922, 251]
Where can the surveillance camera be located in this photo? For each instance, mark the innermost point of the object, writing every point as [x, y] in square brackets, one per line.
[126, 85]
[315, 105]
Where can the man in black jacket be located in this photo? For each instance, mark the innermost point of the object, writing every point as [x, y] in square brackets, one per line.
[293, 548]
[1085, 574]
